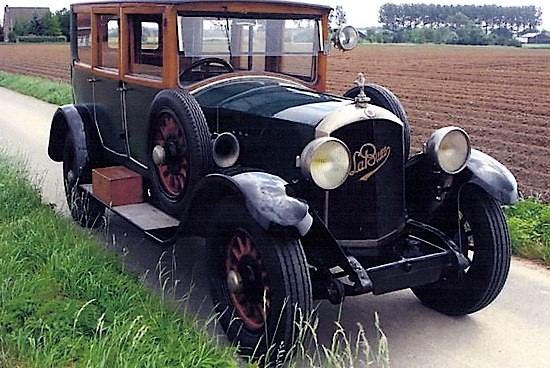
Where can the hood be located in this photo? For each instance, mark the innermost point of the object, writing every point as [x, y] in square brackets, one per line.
[269, 97]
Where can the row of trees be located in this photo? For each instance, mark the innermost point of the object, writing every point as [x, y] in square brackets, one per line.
[516, 19]
[50, 24]
[469, 35]
[453, 24]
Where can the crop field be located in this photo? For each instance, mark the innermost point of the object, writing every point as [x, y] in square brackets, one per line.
[499, 95]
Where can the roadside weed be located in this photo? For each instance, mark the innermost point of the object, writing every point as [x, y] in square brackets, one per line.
[64, 301]
[529, 223]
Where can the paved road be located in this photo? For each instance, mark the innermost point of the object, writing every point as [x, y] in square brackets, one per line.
[513, 332]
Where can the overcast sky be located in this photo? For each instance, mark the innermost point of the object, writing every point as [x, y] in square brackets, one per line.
[359, 12]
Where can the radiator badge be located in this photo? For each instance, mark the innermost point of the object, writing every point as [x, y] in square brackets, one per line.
[368, 160]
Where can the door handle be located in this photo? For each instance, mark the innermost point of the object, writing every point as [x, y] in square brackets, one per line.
[122, 87]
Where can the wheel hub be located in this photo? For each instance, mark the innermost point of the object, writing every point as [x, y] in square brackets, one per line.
[159, 155]
[170, 155]
[246, 280]
[234, 282]
[71, 178]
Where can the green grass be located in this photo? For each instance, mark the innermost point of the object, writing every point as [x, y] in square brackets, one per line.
[66, 302]
[540, 46]
[529, 223]
[57, 93]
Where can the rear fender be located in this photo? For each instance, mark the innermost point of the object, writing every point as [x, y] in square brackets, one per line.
[70, 121]
[264, 196]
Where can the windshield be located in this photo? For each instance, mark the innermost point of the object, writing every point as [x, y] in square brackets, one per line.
[281, 45]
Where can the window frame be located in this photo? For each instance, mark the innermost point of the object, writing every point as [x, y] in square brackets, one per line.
[169, 75]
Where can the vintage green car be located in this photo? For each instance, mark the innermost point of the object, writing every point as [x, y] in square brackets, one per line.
[210, 118]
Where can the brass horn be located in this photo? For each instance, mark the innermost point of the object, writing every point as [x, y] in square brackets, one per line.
[226, 150]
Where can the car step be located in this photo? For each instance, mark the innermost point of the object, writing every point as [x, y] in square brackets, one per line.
[156, 224]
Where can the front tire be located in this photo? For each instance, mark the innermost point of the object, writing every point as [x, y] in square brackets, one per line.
[260, 283]
[483, 234]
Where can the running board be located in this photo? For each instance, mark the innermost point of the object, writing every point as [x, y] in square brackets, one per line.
[156, 224]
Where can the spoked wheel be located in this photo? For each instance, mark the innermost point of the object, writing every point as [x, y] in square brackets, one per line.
[247, 280]
[173, 169]
[180, 148]
[260, 283]
[85, 209]
[483, 237]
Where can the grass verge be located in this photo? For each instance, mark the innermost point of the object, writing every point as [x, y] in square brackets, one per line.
[57, 93]
[65, 302]
[529, 223]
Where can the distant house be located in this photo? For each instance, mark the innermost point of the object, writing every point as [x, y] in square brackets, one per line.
[535, 38]
[12, 14]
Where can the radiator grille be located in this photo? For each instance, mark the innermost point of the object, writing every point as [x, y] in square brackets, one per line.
[370, 204]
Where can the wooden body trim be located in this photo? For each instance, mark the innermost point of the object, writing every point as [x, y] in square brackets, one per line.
[169, 11]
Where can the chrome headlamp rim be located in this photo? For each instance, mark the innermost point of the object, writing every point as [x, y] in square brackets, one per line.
[441, 145]
[345, 38]
[309, 155]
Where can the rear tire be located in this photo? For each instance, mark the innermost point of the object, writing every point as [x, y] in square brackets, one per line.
[275, 288]
[85, 209]
[486, 243]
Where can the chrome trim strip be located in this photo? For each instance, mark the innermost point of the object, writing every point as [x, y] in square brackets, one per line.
[349, 114]
[232, 77]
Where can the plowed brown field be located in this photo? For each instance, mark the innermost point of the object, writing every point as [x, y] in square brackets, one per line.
[500, 96]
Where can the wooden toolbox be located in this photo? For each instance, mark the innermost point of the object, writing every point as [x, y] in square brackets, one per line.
[117, 185]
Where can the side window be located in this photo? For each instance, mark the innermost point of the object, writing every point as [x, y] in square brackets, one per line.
[84, 38]
[109, 38]
[150, 36]
[146, 45]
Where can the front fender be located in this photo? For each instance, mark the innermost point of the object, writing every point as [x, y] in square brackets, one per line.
[492, 176]
[264, 196]
[430, 191]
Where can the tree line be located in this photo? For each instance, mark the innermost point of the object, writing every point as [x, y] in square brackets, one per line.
[49, 24]
[489, 17]
[454, 24]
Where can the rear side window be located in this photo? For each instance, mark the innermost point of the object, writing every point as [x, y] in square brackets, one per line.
[84, 37]
[109, 37]
[146, 59]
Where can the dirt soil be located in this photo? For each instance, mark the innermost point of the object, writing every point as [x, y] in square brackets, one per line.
[499, 95]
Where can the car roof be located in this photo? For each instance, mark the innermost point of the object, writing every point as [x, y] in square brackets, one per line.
[297, 3]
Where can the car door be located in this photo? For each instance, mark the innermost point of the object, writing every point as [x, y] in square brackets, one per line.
[108, 88]
[143, 76]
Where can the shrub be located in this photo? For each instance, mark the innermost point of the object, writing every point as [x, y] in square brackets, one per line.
[41, 39]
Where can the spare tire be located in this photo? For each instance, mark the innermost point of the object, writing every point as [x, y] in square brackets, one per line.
[383, 97]
[180, 149]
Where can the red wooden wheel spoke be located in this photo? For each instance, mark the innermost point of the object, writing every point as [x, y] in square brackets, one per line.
[251, 303]
[174, 172]
[237, 254]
